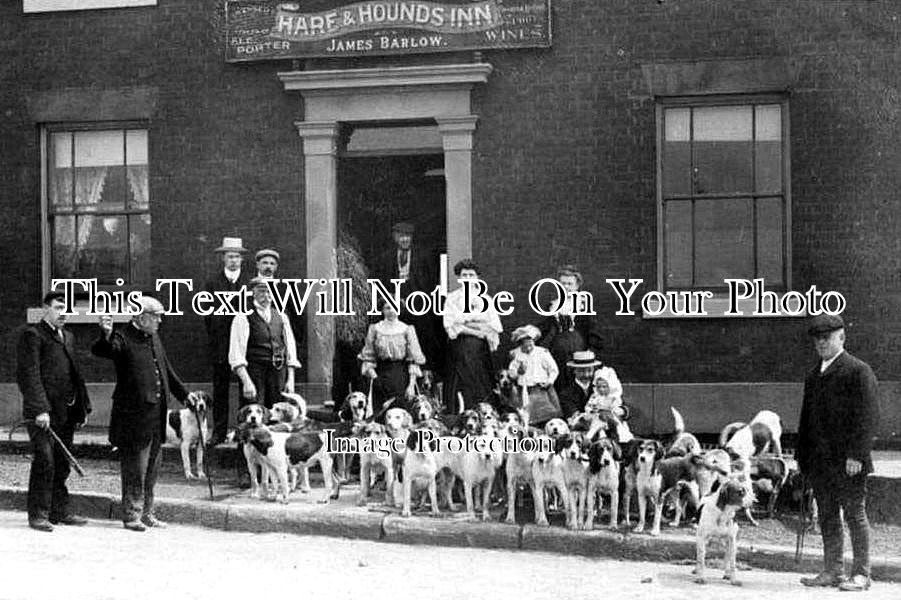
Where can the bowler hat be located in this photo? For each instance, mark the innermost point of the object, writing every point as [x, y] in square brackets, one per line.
[583, 359]
[403, 227]
[267, 252]
[824, 323]
[230, 244]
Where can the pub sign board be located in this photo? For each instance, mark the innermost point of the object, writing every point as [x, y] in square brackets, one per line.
[257, 30]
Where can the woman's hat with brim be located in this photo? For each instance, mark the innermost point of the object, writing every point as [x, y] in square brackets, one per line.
[583, 359]
[526, 331]
[230, 244]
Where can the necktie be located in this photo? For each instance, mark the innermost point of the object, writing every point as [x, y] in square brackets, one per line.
[62, 336]
[404, 257]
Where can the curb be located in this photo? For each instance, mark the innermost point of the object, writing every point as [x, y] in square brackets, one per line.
[374, 526]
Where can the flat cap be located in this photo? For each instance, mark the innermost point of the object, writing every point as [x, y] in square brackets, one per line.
[150, 305]
[403, 227]
[824, 323]
[267, 252]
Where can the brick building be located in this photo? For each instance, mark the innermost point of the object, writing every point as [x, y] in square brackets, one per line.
[680, 142]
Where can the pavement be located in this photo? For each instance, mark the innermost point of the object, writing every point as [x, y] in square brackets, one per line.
[232, 509]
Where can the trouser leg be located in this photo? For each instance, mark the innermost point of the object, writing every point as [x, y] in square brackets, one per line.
[133, 464]
[154, 459]
[853, 504]
[830, 526]
[40, 480]
[222, 379]
[59, 503]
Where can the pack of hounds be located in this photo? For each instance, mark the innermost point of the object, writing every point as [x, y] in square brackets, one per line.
[576, 466]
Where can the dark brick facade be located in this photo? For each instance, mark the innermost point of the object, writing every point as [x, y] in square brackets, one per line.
[564, 163]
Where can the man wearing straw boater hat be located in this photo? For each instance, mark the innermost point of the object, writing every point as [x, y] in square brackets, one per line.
[578, 389]
[229, 278]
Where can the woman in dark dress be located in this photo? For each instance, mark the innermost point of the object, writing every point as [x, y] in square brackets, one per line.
[565, 333]
[473, 337]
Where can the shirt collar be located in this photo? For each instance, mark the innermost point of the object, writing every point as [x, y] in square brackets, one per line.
[826, 363]
[232, 276]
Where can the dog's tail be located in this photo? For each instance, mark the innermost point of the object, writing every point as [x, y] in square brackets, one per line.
[678, 420]
[728, 431]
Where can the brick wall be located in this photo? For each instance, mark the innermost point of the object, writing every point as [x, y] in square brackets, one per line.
[568, 176]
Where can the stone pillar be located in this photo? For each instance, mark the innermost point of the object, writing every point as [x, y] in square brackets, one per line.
[456, 135]
[321, 216]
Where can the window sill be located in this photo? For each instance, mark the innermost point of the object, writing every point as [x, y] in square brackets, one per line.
[717, 307]
[81, 308]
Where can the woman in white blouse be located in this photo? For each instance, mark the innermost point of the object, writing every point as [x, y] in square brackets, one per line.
[473, 336]
[392, 359]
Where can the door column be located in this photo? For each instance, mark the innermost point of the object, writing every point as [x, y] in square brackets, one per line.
[456, 136]
[320, 140]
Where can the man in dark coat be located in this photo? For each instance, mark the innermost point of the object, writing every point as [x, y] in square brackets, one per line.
[418, 268]
[835, 436]
[576, 392]
[144, 382]
[218, 328]
[54, 396]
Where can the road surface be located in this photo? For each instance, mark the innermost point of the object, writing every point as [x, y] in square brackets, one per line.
[103, 560]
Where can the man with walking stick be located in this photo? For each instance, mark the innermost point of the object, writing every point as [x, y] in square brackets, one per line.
[835, 438]
[55, 403]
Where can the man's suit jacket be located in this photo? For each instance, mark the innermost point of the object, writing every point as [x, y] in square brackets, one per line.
[218, 328]
[48, 377]
[838, 418]
[422, 276]
[140, 396]
[573, 398]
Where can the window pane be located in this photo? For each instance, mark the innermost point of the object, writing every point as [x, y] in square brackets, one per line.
[768, 149]
[723, 137]
[102, 244]
[676, 152]
[138, 187]
[59, 187]
[64, 251]
[724, 241]
[677, 242]
[99, 148]
[769, 240]
[139, 237]
[136, 146]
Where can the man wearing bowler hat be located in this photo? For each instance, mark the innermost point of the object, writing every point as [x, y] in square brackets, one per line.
[835, 436]
[144, 381]
[229, 278]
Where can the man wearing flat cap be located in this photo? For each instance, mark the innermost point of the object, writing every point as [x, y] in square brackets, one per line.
[229, 278]
[267, 262]
[144, 382]
[835, 436]
[262, 352]
[418, 269]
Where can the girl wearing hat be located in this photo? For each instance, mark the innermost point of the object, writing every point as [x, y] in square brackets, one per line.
[392, 358]
[534, 370]
[608, 398]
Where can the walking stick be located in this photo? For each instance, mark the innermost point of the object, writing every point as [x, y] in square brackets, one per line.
[69, 458]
